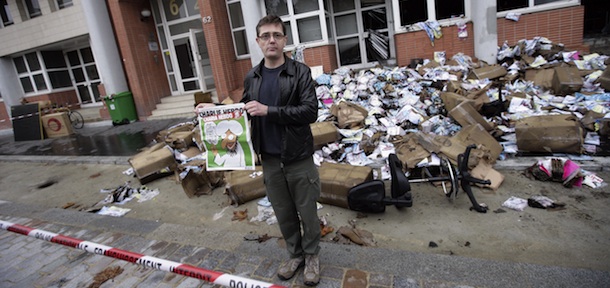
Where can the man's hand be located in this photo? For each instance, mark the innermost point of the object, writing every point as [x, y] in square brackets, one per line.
[255, 108]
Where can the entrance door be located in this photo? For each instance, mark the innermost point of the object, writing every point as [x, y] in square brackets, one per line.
[193, 63]
[202, 60]
[187, 68]
[362, 31]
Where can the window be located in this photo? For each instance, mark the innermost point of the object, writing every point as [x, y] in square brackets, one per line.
[304, 19]
[5, 12]
[57, 69]
[30, 73]
[505, 5]
[61, 4]
[412, 12]
[178, 9]
[33, 8]
[238, 28]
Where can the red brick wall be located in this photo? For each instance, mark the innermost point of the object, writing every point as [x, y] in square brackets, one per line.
[228, 75]
[416, 44]
[560, 26]
[323, 55]
[146, 76]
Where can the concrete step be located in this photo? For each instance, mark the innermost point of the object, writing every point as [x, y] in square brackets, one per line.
[179, 106]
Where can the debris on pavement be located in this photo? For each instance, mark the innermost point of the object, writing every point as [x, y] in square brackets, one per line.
[515, 203]
[543, 202]
[112, 211]
[107, 274]
[539, 99]
[240, 215]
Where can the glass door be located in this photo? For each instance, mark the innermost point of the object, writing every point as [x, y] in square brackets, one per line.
[83, 70]
[187, 67]
[202, 60]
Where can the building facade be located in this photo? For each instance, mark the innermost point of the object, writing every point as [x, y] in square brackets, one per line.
[75, 52]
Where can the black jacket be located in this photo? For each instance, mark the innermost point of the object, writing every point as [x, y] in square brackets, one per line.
[297, 108]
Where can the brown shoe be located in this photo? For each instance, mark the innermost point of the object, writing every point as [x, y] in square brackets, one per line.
[288, 268]
[311, 275]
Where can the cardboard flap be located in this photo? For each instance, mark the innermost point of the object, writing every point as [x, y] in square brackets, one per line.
[349, 115]
[466, 115]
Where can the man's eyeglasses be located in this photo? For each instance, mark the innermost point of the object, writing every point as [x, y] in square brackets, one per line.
[267, 36]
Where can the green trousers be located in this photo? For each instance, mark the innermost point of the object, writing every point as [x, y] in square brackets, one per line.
[293, 190]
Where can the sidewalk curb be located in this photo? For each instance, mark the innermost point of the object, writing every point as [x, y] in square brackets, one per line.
[519, 163]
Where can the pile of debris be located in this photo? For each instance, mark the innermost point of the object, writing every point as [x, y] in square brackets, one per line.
[538, 99]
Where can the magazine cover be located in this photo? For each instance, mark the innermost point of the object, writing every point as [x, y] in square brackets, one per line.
[226, 135]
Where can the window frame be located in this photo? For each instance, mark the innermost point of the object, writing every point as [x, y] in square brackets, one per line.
[431, 10]
[532, 8]
[238, 29]
[30, 3]
[64, 5]
[7, 12]
[292, 19]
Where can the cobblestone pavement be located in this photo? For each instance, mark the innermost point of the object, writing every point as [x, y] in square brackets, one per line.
[31, 262]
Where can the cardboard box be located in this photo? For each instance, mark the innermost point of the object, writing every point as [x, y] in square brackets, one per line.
[476, 134]
[566, 80]
[324, 132]
[466, 115]
[56, 125]
[604, 79]
[157, 159]
[201, 183]
[485, 171]
[542, 78]
[550, 134]
[487, 72]
[203, 97]
[453, 99]
[179, 139]
[245, 185]
[337, 179]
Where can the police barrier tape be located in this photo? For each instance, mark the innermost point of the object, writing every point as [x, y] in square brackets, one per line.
[140, 259]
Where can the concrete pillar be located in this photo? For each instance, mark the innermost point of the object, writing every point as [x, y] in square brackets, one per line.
[485, 26]
[252, 13]
[10, 87]
[104, 46]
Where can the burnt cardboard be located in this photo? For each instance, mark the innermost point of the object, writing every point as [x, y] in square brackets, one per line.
[157, 158]
[465, 114]
[337, 179]
[177, 128]
[566, 80]
[487, 72]
[245, 185]
[324, 133]
[57, 125]
[550, 134]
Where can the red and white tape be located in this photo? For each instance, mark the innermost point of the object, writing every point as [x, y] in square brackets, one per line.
[141, 259]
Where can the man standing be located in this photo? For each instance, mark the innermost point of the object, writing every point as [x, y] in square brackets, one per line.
[280, 96]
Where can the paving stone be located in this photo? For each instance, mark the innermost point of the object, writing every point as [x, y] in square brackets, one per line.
[332, 272]
[405, 282]
[355, 278]
[267, 269]
[380, 279]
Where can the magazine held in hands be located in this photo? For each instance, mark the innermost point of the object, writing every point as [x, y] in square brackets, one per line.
[226, 137]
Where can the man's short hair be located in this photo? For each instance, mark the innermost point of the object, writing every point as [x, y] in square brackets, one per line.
[270, 19]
